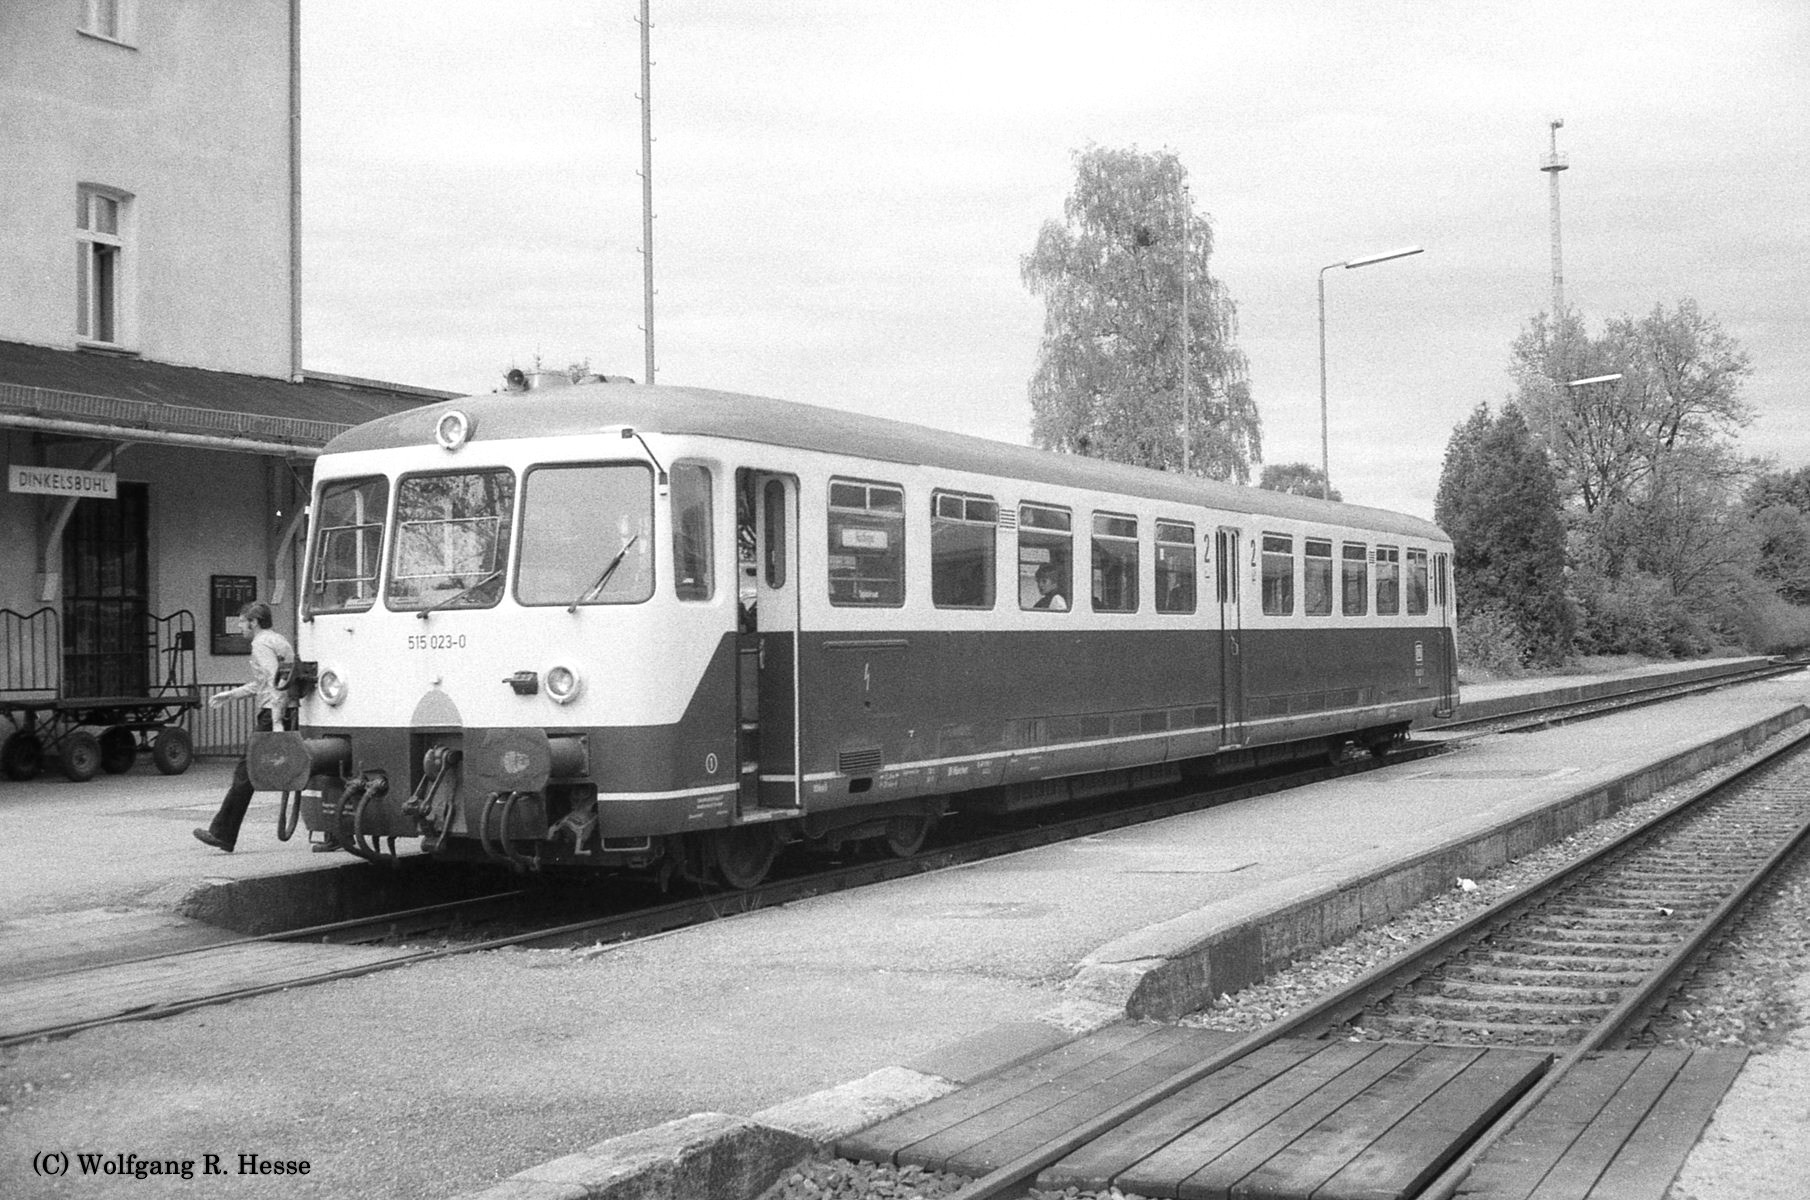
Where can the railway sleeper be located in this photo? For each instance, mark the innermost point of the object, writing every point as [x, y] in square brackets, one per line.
[1549, 939]
[1537, 960]
[1482, 973]
[1466, 1033]
[1553, 994]
[1521, 1013]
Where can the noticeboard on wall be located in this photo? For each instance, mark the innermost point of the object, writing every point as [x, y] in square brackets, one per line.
[229, 594]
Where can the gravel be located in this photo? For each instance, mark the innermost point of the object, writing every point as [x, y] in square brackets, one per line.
[1754, 991]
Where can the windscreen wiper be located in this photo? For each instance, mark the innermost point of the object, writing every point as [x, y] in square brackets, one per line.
[459, 595]
[604, 578]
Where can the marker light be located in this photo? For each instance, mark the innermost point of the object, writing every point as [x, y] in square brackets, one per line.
[453, 429]
[332, 687]
[563, 684]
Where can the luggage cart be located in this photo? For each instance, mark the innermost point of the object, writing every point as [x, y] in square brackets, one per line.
[135, 695]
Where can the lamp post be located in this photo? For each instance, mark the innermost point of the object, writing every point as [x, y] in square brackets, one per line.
[1325, 456]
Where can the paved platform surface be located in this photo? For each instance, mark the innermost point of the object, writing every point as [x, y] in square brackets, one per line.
[754, 1037]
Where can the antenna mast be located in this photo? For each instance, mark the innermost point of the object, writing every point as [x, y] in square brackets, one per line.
[647, 187]
[1552, 164]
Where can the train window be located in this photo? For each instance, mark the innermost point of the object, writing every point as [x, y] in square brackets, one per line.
[1417, 583]
[1354, 580]
[773, 500]
[867, 543]
[587, 535]
[1441, 596]
[348, 545]
[1388, 581]
[693, 563]
[452, 540]
[963, 550]
[1316, 578]
[1045, 557]
[1278, 575]
[1174, 567]
[1115, 563]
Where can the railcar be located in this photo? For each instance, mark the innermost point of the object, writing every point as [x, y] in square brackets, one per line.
[634, 627]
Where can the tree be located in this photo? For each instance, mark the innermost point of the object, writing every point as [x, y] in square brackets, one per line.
[1108, 378]
[1778, 512]
[1499, 501]
[1679, 388]
[1297, 479]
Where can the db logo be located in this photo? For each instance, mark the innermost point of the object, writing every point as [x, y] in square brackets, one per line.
[515, 762]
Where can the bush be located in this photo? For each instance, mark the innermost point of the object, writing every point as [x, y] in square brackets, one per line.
[1490, 641]
[1638, 614]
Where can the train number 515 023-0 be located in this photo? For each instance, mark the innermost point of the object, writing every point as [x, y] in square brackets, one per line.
[436, 641]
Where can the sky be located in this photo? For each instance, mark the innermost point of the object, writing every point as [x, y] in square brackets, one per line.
[843, 191]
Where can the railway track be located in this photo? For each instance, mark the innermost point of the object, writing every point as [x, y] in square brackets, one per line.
[61, 1003]
[1566, 968]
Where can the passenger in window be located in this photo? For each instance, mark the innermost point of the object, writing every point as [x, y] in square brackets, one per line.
[1049, 585]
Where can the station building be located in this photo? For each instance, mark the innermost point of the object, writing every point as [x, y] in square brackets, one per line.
[157, 426]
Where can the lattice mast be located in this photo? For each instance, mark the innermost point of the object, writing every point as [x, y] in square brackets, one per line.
[1552, 164]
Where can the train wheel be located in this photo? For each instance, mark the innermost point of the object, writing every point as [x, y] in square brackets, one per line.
[172, 750]
[119, 750]
[80, 754]
[744, 854]
[21, 756]
[905, 835]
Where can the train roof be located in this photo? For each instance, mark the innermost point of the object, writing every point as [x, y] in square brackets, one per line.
[585, 407]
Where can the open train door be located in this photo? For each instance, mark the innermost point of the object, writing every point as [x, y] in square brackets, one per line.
[1445, 659]
[1231, 635]
[769, 658]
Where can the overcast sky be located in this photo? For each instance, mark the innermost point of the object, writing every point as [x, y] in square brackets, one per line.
[843, 192]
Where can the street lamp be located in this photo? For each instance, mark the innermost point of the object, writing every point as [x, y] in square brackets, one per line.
[1325, 457]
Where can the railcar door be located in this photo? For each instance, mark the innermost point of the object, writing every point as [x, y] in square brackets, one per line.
[1231, 636]
[1445, 658]
[774, 780]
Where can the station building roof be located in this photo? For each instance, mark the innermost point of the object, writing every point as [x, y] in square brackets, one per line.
[120, 397]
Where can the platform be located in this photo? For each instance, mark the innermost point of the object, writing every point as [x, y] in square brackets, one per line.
[733, 1049]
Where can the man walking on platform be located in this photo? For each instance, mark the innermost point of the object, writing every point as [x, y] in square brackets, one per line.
[270, 651]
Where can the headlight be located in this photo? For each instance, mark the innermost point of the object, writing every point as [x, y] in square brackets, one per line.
[563, 684]
[453, 429]
[331, 687]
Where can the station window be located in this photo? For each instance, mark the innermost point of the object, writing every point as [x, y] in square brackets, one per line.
[1174, 567]
[1417, 583]
[1316, 578]
[451, 540]
[109, 19]
[1115, 563]
[693, 526]
[867, 543]
[1388, 581]
[963, 551]
[348, 545]
[1354, 580]
[587, 535]
[1278, 575]
[100, 264]
[1045, 557]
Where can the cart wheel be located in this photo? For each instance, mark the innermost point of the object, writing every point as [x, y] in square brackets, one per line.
[172, 750]
[80, 754]
[119, 750]
[22, 756]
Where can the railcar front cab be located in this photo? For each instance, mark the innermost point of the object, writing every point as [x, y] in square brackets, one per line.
[499, 638]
